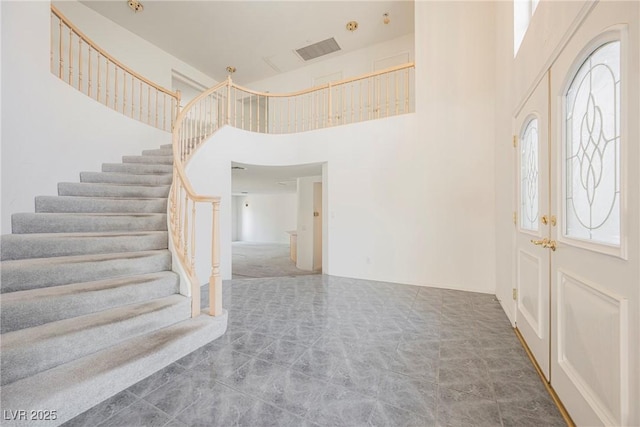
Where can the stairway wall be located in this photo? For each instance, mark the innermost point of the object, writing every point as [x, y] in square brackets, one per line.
[71, 128]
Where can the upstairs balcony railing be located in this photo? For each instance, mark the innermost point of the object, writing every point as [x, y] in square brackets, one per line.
[80, 62]
[372, 96]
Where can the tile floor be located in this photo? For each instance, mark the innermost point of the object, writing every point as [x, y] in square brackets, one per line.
[328, 351]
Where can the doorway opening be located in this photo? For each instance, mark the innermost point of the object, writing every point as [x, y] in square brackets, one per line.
[277, 220]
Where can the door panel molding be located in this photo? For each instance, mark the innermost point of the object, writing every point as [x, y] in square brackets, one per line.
[587, 315]
[530, 298]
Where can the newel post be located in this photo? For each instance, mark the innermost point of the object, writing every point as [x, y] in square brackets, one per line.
[215, 281]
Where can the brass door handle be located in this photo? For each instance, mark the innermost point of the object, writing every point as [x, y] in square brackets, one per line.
[545, 243]
[542, 242]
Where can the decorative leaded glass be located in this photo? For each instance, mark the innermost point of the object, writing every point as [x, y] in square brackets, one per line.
[529, 186]
[592, 149]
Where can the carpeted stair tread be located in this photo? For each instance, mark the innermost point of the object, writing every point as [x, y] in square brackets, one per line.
[26, 309]
[87, 222]
[159, 160]
[24, 274]
[90, 189]
[45, 245]
[158, 152]
[28, 351]
[83, 204]
[74, 387]
[126, 178]
[137, 168]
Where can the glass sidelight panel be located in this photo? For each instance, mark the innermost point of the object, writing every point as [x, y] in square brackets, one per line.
[529, 185]
[592, 149]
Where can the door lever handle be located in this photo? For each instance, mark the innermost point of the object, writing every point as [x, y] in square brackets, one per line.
[546, 243]
[542, 242]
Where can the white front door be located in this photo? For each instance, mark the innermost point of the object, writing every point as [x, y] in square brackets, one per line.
[532, 257]
[595, 191]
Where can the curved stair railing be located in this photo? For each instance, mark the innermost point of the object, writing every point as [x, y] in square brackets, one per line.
[375, 95]
[84, 65]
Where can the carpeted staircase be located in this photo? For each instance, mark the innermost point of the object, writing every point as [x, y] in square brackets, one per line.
[89, 304]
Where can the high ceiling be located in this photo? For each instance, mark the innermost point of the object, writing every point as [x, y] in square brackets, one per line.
[257, 37]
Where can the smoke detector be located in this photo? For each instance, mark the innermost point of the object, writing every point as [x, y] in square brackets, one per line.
[135, 5]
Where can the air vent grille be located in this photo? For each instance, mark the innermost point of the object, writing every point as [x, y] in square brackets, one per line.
[319, 49]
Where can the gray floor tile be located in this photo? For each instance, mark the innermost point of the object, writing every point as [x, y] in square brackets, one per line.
[253, 376]
[469, 413]
[222, 407]
[175, 395]
[152, 382]
[140, 414]
[265, 415]
[411, 394]
[252, 343]
[282, 352]
[338, 406]
[320, 350]
[358, 376]
[384, 415]
[317, 363]
[532, 411]
[103, 411]
[293, 391]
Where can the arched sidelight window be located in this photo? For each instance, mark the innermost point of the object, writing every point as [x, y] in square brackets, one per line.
[592, 149]
[529, 183]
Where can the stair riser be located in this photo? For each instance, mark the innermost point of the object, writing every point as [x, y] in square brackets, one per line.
[19, 276]
[158, 152]
[25, 246]
[71, 204]
[21, 360]
[27, 309]
[136, 168]
[110, 190]
[121, 178]
[69, 223]
[152, 160]
[166, 146]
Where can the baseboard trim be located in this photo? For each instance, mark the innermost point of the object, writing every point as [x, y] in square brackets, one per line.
[550, 390]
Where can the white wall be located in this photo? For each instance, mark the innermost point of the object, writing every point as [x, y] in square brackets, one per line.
[50, 131]
[235, 217]
[410, 199]
[267, 218]
[133, 51]
[304, 258]
[350, 64]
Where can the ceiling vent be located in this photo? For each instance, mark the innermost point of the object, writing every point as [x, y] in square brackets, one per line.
[319, 49]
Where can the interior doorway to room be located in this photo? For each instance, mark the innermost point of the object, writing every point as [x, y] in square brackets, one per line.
[277, 220]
